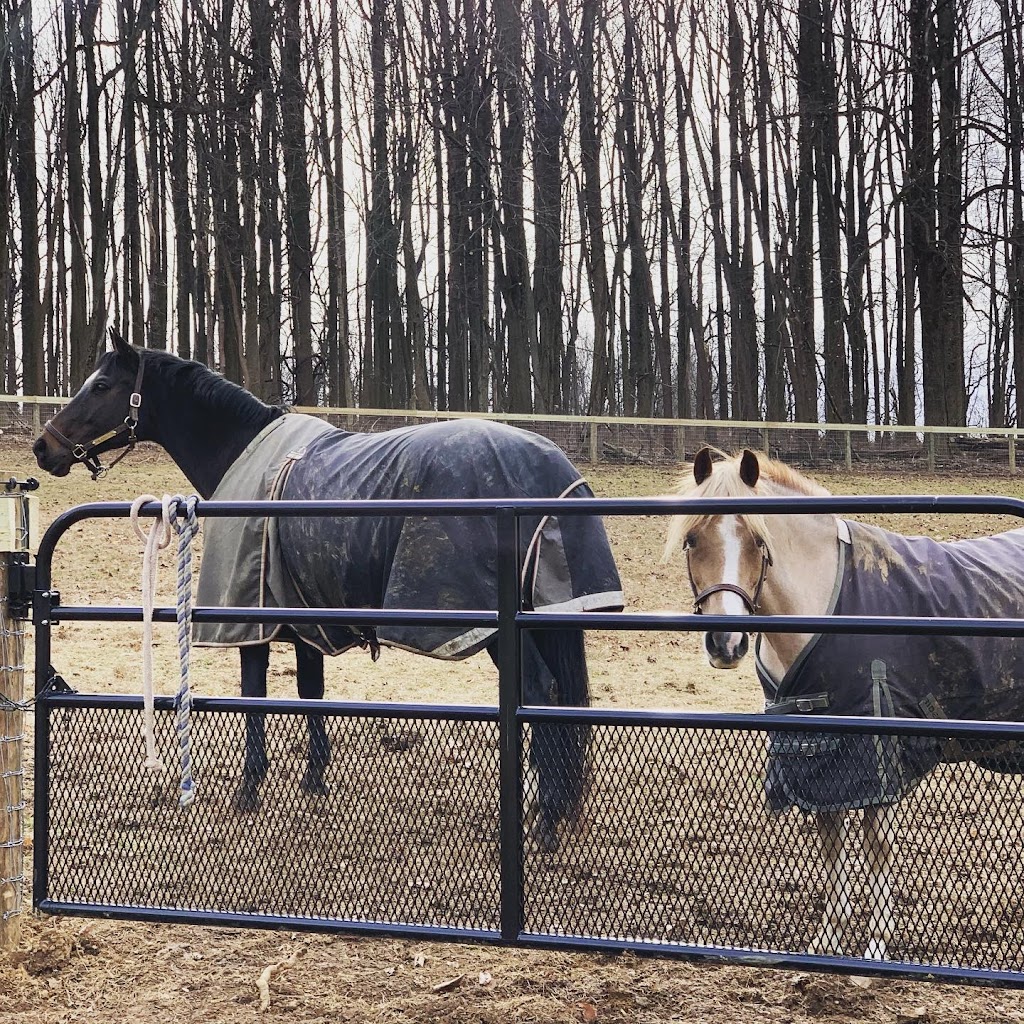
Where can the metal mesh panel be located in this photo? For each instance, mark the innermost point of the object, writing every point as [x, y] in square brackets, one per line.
[677, 845]
[407, 834]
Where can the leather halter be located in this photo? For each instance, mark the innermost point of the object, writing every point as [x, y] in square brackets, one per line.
[751, 601]
[86, 453]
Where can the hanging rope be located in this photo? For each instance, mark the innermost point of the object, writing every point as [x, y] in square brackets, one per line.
[187, 526]
[159, 537]
[180, 513]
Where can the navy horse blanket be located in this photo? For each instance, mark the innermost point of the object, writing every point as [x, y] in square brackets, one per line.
[439, 562]
[887, 574]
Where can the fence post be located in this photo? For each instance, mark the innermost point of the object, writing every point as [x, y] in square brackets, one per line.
[849, 449]
[37, 427]
[1013, 453]
[17, 533]
[593, 441]
[931, 451]
[681, 444]
[764, 441]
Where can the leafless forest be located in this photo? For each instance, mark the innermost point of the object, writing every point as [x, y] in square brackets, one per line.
[713, 208]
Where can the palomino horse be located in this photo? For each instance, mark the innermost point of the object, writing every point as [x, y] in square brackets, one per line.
[233, 447]
[818, 564]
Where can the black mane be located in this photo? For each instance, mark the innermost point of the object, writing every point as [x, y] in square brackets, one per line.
[203, 386]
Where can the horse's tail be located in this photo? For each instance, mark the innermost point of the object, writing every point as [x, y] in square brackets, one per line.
[559, 752]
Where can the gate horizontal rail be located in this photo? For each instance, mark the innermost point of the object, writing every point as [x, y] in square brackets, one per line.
[670, 784]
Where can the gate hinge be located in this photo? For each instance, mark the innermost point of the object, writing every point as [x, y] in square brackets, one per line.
[55, 683]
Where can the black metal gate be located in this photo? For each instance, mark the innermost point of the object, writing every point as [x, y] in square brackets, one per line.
[425, 830]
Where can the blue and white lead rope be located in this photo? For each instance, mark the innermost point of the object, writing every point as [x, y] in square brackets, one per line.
[187, 526]
[181, 513]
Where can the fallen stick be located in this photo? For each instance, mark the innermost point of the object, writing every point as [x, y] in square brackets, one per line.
[269, 972]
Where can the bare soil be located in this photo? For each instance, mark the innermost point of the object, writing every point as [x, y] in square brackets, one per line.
[69, 969]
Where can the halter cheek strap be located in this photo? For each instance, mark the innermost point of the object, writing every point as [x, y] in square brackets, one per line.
[86, 453]
[751, 601]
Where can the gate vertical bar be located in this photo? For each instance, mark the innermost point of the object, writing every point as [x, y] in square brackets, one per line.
[42, 604]
[510, 798]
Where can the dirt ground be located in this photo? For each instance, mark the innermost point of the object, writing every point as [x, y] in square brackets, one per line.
[69, 969]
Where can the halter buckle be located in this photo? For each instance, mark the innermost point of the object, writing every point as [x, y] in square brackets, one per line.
[135, 401]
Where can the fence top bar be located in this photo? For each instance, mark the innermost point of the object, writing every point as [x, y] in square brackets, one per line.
[622, 421]
[798, 504]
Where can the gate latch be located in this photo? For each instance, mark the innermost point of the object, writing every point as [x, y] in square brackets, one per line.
[21, 582]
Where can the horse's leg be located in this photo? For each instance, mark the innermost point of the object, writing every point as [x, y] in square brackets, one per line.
[879, 833]
[555, 672]
[832, 828]
[309, 673]
[255, 660]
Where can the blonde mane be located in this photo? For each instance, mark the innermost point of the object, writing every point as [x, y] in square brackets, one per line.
[775, 478]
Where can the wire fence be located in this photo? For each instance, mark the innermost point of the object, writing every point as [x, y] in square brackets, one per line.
[12, 771]
[663, 442]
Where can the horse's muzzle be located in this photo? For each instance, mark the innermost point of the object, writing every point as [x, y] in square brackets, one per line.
[725, 650]
[51, 459]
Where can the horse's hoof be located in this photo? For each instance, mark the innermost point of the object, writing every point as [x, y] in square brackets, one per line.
[247, 799]
[314, 785]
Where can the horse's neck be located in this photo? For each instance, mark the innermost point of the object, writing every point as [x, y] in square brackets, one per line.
[800, 581]
[201, 440]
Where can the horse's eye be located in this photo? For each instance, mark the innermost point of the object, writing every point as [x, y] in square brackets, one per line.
[690, 542]
[101, 385]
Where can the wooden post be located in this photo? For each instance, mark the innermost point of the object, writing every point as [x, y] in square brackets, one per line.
[931, 451]
[1013, 452]
[680, 444]
[764, 442]
[849, 449]
[593, 441]
[17, 534]
[37, 428]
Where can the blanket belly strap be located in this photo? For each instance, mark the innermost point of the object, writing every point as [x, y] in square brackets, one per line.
[799, 705]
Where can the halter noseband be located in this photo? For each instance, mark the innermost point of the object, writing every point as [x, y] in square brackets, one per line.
[751, 601]
[85, 453]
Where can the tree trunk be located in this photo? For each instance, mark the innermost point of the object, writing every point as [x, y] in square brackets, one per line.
[293, 141]
[26, 182]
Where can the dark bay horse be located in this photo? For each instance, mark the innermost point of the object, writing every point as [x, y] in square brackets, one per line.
[818, 564]
[212, 429]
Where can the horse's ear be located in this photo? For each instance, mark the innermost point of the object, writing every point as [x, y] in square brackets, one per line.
[122, 348]
[702, 465]
[750, 468]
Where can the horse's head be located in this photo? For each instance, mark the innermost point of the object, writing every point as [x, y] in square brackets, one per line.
[727, 556]
[104, 415]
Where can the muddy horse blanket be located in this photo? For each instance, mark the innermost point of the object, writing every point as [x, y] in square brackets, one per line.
[882, 573]
[441, 562]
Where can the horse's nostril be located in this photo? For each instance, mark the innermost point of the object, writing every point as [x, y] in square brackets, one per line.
[39, 447]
